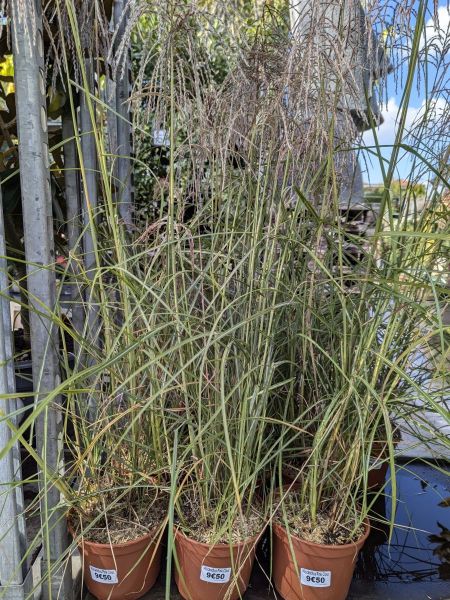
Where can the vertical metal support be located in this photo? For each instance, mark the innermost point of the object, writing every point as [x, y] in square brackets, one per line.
[12, 527]
[124, 147]
[72, 192]
[28, 53]
[71, 180]
[15, 404]
[111, 121]
[89, 157]
[89, 208]
[88, 161]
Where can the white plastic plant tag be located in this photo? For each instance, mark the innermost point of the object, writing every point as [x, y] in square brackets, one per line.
[161, 137]
[104, 575]
[215, 574]
[375, 463]
[315, 578]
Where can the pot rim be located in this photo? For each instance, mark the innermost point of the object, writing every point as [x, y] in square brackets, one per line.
[359, 541]
[83, 540]
[247, 541]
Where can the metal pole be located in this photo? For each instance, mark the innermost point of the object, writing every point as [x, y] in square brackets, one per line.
[14, 404]
[89, 210]
[89, 154]
[11, 545]
[71, 180]
[124, 147]
[72, 192]
[111, 121]
[28, 53]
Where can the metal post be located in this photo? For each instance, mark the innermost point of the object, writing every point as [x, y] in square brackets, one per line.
[89, 210]
[71, 180]
[73, 213]
[89, 155]
[88, 159]
[124, 148]
[111, 121]
[12, 523]
[28, 53]
[15, 404]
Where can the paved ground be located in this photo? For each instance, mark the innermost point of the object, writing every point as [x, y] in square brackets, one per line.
[410, 446]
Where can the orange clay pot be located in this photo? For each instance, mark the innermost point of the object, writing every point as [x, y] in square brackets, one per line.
[121, 571]
[319, 572]
[376, 477]
[207, 572]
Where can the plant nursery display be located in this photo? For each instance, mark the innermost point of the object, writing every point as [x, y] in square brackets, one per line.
[213, 571]
[238, 352]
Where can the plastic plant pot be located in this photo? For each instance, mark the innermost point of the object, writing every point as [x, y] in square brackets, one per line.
[121, 571]
[208, 572]
[318, 571]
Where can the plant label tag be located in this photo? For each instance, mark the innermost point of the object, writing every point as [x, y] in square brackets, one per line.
[161, 138]
[315, 578]
[104, 575]
[215, 574]
[374, 463]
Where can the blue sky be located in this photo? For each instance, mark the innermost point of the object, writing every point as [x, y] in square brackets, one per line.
[436, 38]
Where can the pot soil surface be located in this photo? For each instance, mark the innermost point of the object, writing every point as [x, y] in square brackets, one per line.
[206, 531]
[104, 520]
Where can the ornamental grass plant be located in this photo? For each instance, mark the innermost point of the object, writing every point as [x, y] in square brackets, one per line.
[231, 336]
[360, 330]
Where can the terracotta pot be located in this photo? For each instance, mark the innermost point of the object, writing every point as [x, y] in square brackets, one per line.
[290, 474]
[376, 477]
[319, 572]
[208, 572]
[121, 571]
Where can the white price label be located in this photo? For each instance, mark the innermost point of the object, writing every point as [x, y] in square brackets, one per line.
[315, 578]
[375, 463]
[161, 137]
[215, 574]
[104, 575]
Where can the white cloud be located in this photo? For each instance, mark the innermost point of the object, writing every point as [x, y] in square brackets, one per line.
[387, 132]
[436, 114]
[436, 37]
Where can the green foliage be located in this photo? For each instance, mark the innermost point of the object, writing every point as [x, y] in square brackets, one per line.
[231, 334]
